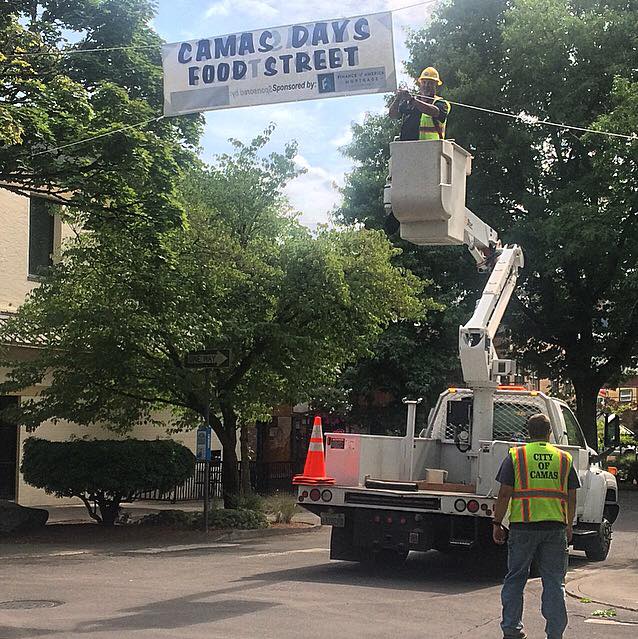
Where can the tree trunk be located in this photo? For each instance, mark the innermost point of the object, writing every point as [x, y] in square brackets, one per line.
[230, 474]
[586, 391]
[109, 511]
[245, 461]
[230, 467]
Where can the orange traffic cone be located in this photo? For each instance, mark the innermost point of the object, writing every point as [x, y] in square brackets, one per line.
[314, 471]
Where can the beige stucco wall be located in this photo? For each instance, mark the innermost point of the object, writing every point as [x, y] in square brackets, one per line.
[14, 246]
[14, 249]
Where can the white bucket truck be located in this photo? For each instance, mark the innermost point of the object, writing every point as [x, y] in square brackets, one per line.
[438, 489]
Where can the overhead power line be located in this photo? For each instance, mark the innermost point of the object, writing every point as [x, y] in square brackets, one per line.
[101, 135]
[527, 119]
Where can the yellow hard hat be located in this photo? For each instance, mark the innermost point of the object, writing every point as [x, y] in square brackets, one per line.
[430, 73]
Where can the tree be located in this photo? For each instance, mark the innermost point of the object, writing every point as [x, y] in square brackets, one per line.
[52, 95]
[103, 473]
[119, 314]
[566, 197]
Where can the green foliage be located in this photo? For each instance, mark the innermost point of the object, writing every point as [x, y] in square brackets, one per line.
[177, 519]
[567, 198]
[120, 311]
[105, 472]
[48, 99]
[627, 466]
[282, 506]
[233, 518]
[606, 613]
[241, 518]
[252, 501]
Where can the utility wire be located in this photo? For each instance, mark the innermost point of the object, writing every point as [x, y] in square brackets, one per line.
[133, 47]
[533, 121]
[101, 135]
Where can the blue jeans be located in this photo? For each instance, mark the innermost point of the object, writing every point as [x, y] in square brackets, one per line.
[549, 547]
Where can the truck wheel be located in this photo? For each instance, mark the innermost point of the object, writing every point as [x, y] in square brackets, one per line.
[597, 546]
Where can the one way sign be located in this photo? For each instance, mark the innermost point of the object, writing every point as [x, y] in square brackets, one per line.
[214, 358]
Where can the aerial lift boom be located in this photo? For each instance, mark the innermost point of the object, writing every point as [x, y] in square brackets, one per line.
[426, 193]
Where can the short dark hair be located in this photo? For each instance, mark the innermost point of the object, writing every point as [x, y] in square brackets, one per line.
[538, 426]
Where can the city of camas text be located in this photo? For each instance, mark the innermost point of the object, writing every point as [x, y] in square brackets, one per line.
[543, 461]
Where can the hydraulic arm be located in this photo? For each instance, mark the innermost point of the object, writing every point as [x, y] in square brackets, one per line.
[426, 193]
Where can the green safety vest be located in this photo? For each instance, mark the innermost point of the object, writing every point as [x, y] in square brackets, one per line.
[540, 483]
[429, 129]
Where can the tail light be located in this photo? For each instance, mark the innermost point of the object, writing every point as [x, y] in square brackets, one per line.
[315, 494]
[472, 506]
[459, 505]
[326, 495]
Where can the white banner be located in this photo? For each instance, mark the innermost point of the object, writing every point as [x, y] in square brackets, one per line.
[331, 58]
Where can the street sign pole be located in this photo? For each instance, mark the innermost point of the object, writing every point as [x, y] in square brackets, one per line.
[207, 467]
[219, 359]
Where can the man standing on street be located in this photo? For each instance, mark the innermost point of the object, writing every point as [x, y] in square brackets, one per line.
[540, 482]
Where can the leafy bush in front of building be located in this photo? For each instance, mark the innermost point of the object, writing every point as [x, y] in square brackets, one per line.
[627, 466]
[252, 501]
[239, 518]
[178, 519]
[282, 506]
[104, 473]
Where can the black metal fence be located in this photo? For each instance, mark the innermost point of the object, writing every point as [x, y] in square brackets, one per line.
[265, 477]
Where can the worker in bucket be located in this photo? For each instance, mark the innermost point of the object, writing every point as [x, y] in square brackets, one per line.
[423, 115]
[538, 483]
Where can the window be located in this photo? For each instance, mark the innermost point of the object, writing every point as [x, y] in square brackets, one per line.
[41, 225]
[510, 420]
[626, 395]
[574, 434]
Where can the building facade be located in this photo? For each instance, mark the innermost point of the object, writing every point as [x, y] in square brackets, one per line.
[32, 235]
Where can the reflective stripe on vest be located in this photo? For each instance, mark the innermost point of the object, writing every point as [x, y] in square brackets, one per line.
[429, 129]
[540, 483]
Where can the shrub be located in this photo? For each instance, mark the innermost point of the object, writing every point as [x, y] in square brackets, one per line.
[283, 507]
[253, 501]
[173, 518]
[627, 466]
[233, 518]
[105, 472]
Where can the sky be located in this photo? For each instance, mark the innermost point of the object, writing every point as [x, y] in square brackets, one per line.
[320, 127]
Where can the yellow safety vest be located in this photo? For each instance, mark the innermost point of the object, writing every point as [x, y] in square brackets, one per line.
[429, 129]
[540, 483]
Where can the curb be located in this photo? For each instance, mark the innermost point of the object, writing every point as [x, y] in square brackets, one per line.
[600, 602]
[238, 535]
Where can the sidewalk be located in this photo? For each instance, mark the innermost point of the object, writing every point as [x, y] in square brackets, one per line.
[615, 587]
[614, 583]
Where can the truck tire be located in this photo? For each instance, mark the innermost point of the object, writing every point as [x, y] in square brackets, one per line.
[597, 546]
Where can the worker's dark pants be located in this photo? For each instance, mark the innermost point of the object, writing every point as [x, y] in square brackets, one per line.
[549, 547]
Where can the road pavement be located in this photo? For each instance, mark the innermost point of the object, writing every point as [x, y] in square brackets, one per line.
[284, 588]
